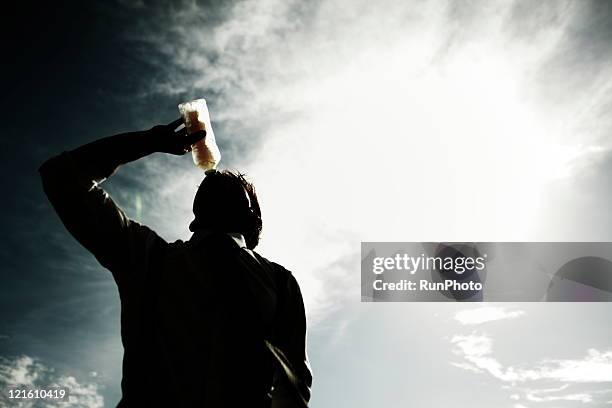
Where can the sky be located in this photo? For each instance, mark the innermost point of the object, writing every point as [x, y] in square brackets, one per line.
[357, 121]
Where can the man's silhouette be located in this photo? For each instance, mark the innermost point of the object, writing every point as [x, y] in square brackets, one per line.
[206, 322]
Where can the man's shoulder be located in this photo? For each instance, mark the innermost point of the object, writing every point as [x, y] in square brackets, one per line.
[279, 270]
[176, 246]
[271, 263]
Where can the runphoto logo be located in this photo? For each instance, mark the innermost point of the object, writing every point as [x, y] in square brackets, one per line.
[412, 264]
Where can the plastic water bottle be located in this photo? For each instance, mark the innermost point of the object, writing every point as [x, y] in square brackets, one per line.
[205, 153]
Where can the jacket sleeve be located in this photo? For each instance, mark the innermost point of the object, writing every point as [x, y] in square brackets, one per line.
[91, 216]
[291, 340]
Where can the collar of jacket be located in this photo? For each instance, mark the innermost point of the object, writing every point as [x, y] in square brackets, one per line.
[200, 234]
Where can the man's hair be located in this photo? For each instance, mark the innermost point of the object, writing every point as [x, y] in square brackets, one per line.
[226, 201]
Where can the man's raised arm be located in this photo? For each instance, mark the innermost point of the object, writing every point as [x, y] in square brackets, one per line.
[70, 181]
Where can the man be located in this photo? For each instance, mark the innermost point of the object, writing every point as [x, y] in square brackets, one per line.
[206, 322]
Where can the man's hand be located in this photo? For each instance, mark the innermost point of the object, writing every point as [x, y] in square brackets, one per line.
[167, 139]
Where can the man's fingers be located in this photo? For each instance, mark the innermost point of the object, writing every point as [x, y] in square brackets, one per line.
[175, 123]
[195, 137]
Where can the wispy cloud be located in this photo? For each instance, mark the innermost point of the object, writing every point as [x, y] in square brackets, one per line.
[544, 395]
[22, 370]
[29, 373]
[583, 379]
[486, 314]
[592, 370]
[477, 350]
[362, 121]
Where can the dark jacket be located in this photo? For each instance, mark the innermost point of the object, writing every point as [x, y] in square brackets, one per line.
[194, 313]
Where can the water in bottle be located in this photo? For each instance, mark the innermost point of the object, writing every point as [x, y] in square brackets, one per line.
[205, 153]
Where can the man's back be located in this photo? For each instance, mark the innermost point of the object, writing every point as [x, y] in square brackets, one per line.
[194, 321]
[195, 314]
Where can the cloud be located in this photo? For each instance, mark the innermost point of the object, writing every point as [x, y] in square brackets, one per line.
[477, 350]
[486, 314]
[29, 373]
[389, 121]
[536, 395]
[594, 369]
[20, 371]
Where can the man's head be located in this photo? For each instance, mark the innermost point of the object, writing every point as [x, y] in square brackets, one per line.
[227, 202]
